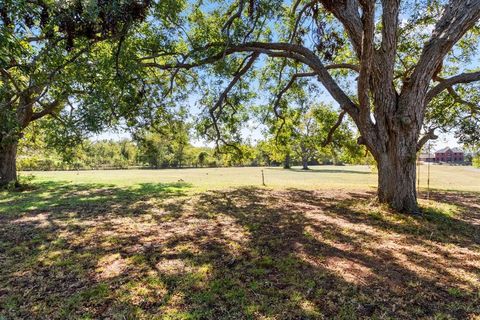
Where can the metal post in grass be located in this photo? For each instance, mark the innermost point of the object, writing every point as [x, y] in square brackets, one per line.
[428, 173]
[263, 178]
[418, 174]
[428, 182]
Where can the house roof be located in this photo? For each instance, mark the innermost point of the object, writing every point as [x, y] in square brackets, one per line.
[442, 150]
[451, 149]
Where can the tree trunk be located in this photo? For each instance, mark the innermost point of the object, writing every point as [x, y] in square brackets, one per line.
[8, 166]
[286, 164]
[305, 163]
[396, 180]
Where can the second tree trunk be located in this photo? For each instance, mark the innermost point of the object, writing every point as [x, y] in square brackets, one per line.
[8, 167]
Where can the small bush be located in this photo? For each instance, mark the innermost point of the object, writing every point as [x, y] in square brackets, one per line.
[476, 161]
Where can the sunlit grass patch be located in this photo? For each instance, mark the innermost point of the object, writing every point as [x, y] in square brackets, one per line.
[439, 209]
[147, 290]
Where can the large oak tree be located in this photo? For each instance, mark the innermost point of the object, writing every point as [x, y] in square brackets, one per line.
[395, 67]
[59, 55]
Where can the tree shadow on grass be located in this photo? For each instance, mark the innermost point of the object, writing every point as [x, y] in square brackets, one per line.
[456, 222]
[48, 195]
[240, 254]
[339, 251]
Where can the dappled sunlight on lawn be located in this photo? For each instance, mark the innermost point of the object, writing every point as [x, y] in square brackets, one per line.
[158, 251]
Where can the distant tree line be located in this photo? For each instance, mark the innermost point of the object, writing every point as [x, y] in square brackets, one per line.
[475, 156]
[157, 153]
[171, 147]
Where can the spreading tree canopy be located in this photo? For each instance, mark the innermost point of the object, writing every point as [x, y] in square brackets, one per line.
[399, 69]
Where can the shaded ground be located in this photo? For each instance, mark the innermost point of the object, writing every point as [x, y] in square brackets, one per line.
[157, 252]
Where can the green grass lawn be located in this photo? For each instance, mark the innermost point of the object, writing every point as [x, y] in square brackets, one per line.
[320, 177]
[215, 244]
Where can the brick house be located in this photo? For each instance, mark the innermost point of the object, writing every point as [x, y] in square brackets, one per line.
[449, 155]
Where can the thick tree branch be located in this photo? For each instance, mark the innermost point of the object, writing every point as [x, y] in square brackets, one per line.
[390, 13]
[309, 58]
[281, 50]
[430, 135]
[459, 16]
[47, 109]
[366, 58]
[384, 66]
[449, 82]
[350, 66]
[382, 84]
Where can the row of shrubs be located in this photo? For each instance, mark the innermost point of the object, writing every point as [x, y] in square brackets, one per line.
[36, 163]
[48, 164]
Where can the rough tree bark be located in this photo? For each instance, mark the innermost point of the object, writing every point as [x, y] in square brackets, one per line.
[394, 145]
[8, 167]
[397, 175]
[396, 183]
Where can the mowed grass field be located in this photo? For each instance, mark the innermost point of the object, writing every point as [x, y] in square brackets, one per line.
[216, 244]
[319, 177]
